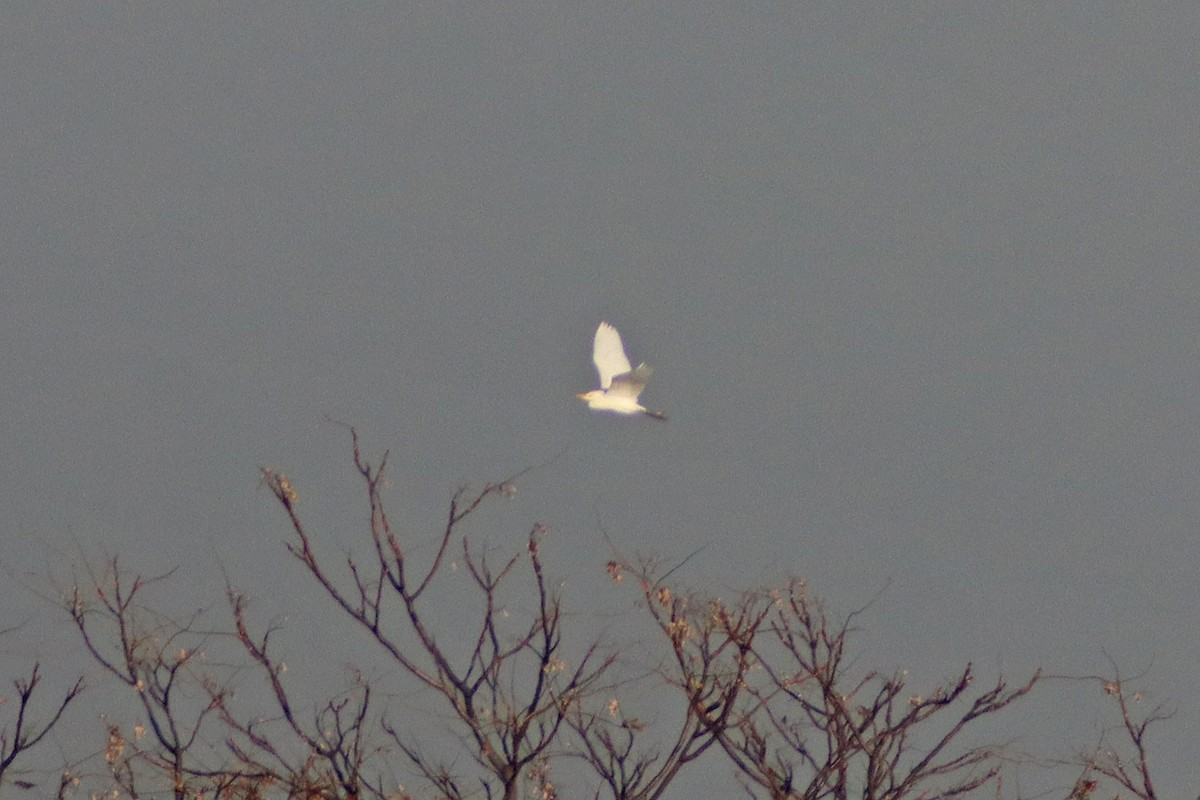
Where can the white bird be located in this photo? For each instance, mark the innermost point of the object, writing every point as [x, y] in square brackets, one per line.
[619, 384]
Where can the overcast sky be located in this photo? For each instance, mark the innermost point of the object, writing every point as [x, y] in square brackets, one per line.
[920, 284]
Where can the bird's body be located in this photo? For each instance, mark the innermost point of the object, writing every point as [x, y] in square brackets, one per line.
[620, 384]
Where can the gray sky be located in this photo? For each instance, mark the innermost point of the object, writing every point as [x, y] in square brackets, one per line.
[920, 285]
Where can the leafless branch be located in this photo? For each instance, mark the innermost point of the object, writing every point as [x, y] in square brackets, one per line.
[1122, 753]
[765, 680]
[21, 734]
[511, 693]
[153, 656]
[767, 676]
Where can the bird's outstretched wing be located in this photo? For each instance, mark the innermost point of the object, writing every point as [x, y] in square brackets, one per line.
[631, 384]
[609, 355]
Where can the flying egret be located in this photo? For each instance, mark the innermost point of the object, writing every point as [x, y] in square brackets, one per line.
[619, 384]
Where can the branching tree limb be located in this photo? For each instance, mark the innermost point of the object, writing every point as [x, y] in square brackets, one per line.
[512, 692]
[767, 676]
[335, 750]
[153, 656]
[1121, 757]
[19, 733]
[764, 680]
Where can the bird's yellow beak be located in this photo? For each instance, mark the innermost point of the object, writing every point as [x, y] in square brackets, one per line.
[581, 395]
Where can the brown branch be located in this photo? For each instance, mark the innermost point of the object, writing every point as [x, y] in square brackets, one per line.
[24, 734]
[508, 693]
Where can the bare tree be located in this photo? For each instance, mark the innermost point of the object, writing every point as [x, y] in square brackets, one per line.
[634, 766]
[511, 693]
[764, 681]
[19, 733]
[1121, 758]
[187, 740]
[327, 758]
[768, 676]
[153, 655]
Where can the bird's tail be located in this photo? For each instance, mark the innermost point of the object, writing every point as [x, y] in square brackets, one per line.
[658, 415]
